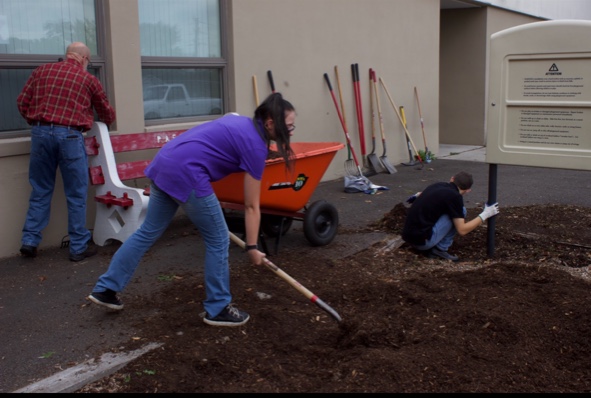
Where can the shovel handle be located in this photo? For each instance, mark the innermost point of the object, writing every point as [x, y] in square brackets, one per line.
[334, 99]
[336, 72]
[380, 117]
[256, 90]
[271, 81]
[294, 283]
[422, 124]
[401, 121]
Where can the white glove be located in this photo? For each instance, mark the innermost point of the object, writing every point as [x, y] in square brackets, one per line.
[489, 211]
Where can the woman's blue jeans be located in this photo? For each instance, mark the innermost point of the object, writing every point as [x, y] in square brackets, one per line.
[207, 215]
[53, 147]
[443, 235]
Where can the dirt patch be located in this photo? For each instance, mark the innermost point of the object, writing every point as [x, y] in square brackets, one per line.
[516, 322]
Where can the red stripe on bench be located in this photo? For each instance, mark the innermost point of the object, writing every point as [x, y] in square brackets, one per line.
[136, 142]
[128, 143]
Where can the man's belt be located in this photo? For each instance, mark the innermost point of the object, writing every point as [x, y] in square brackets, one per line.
[77, 128]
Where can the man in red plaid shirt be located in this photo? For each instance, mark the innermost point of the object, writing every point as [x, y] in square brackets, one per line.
[58, 101]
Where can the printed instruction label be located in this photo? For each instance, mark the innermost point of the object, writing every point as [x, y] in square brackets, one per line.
[546, 85]
[554, 127]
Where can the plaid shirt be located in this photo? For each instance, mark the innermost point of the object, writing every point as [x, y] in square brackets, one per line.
[64, 93]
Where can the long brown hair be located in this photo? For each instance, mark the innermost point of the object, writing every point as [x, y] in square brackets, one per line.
[275, 107]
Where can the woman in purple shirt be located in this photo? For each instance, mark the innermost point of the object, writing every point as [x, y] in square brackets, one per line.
[181, 175]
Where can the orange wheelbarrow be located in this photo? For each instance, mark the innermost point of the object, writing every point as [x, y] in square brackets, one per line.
[285, 195]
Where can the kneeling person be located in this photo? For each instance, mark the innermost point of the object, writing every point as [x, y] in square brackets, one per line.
[438, 213]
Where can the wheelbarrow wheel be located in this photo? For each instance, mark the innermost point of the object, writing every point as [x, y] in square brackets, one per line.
[321, 221]
[271, 225]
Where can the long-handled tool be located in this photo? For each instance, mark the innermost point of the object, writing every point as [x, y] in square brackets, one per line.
[401, 121]
[372, 157]
[387, 165]
[294, 283]
[411, 160]
[348, 170]
[427, 154]
[349, 163]
[271, 81]
[357, 183]
[359, 109]
[256, 90]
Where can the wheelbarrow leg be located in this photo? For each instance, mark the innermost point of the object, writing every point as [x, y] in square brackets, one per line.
[263, 242]
[281, 225]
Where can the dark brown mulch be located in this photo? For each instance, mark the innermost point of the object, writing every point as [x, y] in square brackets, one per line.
[516, 322]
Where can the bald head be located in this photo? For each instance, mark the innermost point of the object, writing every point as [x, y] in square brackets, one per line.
[80, 52]
[78, 48]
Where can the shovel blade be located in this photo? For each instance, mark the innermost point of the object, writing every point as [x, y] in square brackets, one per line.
[387, 165]
[375, 163]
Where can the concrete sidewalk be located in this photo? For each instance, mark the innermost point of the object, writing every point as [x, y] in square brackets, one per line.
[52, 337]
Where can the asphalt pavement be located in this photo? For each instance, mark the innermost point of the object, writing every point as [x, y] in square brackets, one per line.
[52, 336]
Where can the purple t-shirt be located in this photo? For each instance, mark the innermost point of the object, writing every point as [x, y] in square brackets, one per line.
[208, 153]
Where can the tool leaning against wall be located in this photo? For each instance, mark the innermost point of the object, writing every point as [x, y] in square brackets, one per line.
[354, 182]
[384, 159]
[401, 120]
[372, 158]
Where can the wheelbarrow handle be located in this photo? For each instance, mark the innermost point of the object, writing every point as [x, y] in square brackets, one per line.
[294, 283]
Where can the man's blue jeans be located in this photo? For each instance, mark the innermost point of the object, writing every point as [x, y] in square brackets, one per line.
[207, 215]
[443, 235]
[53, 147]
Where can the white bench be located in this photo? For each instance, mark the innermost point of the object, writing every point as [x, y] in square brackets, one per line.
[121, 208]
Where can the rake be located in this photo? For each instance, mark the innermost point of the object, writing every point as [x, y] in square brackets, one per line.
[349, 170]
[349, 163]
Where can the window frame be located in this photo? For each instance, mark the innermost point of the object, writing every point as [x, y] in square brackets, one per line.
[32, 61]
[222, 63]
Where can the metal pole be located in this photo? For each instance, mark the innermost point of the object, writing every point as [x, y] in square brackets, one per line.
[492, 198]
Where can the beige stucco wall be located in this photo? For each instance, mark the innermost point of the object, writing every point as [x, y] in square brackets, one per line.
[298, 41]
[399, 39]
[465, 35]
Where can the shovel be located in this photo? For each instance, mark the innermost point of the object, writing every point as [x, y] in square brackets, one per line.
[401, 121]
[311, 296]
[427, 155]
[372, 157]
[385, 162]
[359, 109]
[411, 161]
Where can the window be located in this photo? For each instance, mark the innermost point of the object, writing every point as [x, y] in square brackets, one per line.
[34, 32]
[183, 62]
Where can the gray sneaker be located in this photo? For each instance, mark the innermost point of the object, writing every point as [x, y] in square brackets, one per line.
[230, 316]
[443, 254]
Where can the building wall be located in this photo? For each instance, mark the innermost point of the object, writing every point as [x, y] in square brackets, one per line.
[465, 36]
[399, 39]
[298, 41]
